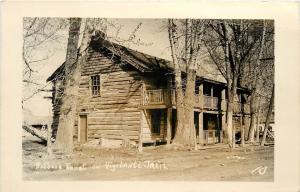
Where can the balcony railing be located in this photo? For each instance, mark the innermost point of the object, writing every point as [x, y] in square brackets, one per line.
[210, 102]
[154, 97]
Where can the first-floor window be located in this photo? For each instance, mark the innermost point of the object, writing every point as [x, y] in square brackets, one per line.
[95, 85]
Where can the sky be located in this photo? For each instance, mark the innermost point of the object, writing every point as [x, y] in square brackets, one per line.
[151, 33]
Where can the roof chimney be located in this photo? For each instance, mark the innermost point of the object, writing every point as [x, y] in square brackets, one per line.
[98, 38]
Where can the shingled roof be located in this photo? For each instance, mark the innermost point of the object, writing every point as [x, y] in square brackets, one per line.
[141, 61]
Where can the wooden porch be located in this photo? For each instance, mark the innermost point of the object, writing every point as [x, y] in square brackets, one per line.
[215, 107]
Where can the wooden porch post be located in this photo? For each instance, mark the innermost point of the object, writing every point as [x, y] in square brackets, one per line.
[169, 124]
[201, 136]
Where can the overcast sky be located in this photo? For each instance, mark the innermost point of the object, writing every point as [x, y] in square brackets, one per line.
[151, 32]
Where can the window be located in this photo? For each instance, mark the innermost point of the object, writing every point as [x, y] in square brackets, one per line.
[95, 85]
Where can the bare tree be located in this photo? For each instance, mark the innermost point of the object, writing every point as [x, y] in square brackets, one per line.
[185, 40]
[231, 44]
[258, 72]
[74, 60]
[36, 33]
[42, 37]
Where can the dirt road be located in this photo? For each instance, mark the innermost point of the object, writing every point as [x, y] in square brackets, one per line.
[155, 163]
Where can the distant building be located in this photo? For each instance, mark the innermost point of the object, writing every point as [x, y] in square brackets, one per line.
[35, 121]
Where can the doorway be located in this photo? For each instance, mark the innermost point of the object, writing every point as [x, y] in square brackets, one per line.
[210, 122]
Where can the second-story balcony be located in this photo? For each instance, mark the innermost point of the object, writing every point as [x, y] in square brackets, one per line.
[167, 97]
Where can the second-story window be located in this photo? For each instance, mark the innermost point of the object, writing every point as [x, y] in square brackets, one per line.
[95, 85]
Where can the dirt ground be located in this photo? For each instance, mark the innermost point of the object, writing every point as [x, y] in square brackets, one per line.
[252, 163]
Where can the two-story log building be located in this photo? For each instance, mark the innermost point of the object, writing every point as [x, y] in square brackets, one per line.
[127, 95]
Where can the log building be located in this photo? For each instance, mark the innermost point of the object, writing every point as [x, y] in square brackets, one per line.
[127, 95]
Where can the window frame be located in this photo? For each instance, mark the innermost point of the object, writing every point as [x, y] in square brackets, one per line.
[95, 85]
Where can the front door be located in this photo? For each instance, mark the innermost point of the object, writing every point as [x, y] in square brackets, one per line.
[156, 116]
[210, 128]
[83, 129]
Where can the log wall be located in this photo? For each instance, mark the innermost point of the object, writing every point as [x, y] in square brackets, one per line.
[114, 114]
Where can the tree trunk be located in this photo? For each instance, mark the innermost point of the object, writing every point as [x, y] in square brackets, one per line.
[185, 133]
[257, 126]
[179, 131]
[178, 81]
[188, 136]
[253, 105]
[185, 130]
[64, 139]
[268, 118]
[231, 90]
[253, 101]
[229, 123]
[231, 79]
